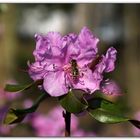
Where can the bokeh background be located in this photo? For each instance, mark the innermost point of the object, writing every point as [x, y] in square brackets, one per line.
[116, 25]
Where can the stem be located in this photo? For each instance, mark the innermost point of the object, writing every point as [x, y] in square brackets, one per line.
[34, 106]
[67, 117]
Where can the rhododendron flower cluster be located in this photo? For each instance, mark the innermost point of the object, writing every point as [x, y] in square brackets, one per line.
[53, 124]
[69, 65]
[71, 62]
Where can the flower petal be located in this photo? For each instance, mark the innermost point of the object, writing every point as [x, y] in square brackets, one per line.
[54, 39]
[48, 46]
[89, 82]
[70, 50]
[41, 47]
[110, 87]
[110, 59]
[36, 70]
[55, 83]
[107, 62]
[100, 67]
[87, 39]
[88, 46]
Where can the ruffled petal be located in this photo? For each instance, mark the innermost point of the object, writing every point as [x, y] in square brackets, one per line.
[107, 62]
[88, 46]
[70, 50]
[100, 67]
[55, 83]
[36, 70]
[87, 39]
[54, 38]
[41, 47]
[88, 82]
[54, 43]
[48, 46]
[110, 59]
[110, 87]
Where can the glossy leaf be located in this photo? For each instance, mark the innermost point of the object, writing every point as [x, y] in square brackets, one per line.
[105, 116]
[105, 111]
[13, 117]
[95, 103]
[19, 88]
[71, 103]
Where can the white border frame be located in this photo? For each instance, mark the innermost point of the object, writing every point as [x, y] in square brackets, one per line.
[69, 1]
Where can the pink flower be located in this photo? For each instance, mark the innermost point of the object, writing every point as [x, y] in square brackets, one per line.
[109, 87]
[53, 124]
[63, 62]
[44, 126]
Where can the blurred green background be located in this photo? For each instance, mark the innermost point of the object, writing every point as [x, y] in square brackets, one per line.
[116, 25]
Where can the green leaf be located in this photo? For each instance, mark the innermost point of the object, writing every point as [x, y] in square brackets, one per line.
[13, 117]
[105, 116]
[71, 103]
[95, 103]
[19, 88]
[105, 111]
[17, 115]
